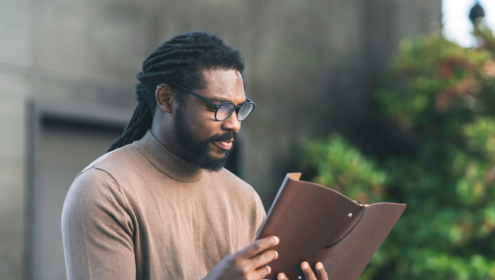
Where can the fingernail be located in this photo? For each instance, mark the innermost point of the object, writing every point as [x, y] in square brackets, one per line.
[276, 239]
[319, 266]
[276, 255]
[269, 269]
[304, 265]
[281, 276]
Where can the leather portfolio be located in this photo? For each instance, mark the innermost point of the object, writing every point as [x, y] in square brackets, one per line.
[318, 224]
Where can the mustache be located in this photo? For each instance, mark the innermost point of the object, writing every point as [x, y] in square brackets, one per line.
[224, 137]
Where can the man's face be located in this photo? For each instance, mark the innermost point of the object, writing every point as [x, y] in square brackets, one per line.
[202, 139]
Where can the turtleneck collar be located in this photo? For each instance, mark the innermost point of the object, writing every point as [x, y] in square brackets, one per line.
[167, 162]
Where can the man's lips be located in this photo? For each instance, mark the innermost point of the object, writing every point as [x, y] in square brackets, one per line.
[226, 145]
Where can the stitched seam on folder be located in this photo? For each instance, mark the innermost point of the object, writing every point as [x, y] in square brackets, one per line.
[329, 246]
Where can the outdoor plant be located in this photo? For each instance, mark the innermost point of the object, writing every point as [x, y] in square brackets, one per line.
[334, 163]
[441, 97]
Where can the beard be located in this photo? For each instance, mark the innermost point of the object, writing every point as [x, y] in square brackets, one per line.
[195, 150]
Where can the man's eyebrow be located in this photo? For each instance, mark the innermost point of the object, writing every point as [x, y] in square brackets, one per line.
[221, 100]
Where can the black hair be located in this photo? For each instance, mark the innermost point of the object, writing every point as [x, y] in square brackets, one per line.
[180, 60]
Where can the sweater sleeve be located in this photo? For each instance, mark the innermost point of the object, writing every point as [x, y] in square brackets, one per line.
[260, 213]
[97, 229]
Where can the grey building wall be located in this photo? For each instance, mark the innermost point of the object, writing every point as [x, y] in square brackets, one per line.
[310, 66]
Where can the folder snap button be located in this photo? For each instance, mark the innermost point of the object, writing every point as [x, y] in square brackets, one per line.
[350, 215]
[299, 277]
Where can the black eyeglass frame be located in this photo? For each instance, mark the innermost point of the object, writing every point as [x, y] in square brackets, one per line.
[217, 106]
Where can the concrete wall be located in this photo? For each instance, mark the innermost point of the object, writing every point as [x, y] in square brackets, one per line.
[310, 66]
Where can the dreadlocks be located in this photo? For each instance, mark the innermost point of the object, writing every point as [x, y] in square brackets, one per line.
[179, 60]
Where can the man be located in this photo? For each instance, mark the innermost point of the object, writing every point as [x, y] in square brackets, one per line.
[160, 205]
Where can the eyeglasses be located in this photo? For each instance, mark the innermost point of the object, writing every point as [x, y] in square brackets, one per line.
[225, 109]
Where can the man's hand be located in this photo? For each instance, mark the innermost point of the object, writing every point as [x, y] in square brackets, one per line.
[249, 263]
[308, 272]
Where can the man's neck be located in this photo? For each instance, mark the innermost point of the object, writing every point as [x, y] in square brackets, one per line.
[167, 162]
[163, 132]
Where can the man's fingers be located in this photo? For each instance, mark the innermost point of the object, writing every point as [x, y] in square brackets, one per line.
[259, 246]
[307, 271]
[264, 258]
[321, 272]
[262, 272]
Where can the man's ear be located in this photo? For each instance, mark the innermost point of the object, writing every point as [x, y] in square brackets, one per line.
[164, 97]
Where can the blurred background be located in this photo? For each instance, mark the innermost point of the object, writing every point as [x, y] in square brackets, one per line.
[383, 100]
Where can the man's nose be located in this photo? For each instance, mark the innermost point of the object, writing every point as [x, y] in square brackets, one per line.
[232, 123]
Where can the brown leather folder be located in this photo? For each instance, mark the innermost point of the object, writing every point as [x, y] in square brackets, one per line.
[318, 224]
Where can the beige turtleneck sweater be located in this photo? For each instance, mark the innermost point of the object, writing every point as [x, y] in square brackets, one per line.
[141, 212]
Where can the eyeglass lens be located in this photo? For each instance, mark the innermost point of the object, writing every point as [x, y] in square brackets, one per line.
[244, 111]
[226, 109]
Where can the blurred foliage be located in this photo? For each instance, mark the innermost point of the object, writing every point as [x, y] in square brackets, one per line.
[336, 164]
[441, 97]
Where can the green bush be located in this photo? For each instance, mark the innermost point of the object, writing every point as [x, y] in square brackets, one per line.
[336, 164]
[442, 98]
